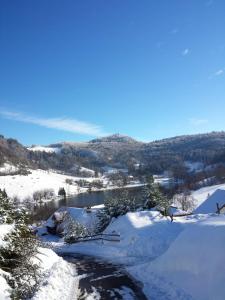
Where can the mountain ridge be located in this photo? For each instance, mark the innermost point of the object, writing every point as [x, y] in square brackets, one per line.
[120, 151]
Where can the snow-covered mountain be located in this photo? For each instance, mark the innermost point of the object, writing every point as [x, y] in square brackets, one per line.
[119, 151]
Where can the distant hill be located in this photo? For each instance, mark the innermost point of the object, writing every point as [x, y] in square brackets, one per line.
[115, 138]
[120, 151]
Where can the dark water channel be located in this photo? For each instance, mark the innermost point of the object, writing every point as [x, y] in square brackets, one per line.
[104, 280]
[42, 211]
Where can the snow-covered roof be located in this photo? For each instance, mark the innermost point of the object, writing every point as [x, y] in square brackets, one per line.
[210, 204]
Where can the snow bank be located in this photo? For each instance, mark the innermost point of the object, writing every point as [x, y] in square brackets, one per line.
[4, 287]
[202, 194]
[194, 263]
[60, 279]
[143, 236]
[210, 204]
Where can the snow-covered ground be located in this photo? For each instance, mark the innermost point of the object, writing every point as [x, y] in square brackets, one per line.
[59, 278]
[182, 259]
[202, 194]
[8, 168]
[23, 186]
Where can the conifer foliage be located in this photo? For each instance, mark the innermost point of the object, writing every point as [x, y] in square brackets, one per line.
[18, 252]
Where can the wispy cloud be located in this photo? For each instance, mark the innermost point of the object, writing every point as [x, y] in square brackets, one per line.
[185, 52]
[197, 121]
[61, 123]
[217, 73]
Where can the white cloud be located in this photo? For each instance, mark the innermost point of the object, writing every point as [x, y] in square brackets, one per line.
[185, 52]
[61, 123]
[197, 121]
[219, 72]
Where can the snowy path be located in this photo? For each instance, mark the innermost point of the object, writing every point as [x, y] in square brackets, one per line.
[102, 280]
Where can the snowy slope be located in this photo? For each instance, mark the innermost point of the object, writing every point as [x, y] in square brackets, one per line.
[60, 280]
[202, 194]
[209, 205]
[194, 262]
[23, 186]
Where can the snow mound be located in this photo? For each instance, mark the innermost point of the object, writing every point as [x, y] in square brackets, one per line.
[60, 279]
[202, 194]
[210, 204]
[144, 234]
[195, 261]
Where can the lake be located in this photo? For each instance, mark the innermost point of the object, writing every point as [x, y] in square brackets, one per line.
[42, 211]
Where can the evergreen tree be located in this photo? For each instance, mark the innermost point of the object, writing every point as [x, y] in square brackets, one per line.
[154, 197]
[119, 203]
[7, 208]
[18, 251]
[74, 230]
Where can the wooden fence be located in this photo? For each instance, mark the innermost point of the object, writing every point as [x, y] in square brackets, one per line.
[95, 237]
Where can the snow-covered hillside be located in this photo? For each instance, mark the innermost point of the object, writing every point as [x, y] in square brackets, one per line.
[44, 149]
[23, 186]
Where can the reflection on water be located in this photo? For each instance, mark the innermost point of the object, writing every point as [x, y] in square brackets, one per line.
[43, 211]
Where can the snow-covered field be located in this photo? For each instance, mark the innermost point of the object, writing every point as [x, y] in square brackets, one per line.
[23, 186]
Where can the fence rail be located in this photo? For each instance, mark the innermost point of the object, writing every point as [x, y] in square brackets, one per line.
[95, 237]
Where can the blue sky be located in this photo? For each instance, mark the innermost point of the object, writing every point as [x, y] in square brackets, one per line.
[74, 70]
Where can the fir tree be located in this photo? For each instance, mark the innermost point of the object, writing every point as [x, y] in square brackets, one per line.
[74, 230]
[18, 252]
[7, 208]
[154, 197]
